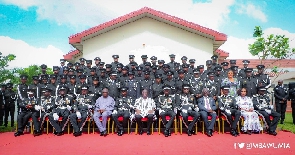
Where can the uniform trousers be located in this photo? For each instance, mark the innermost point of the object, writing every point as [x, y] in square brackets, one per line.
[9, 110]
[78, 126]
[195, 116]
[101, 125]
[232, 122]
[281, 108]
[64, 113]
[38, 122]
[125, 114]
[22, 120]
[163, 115]
[272, 125]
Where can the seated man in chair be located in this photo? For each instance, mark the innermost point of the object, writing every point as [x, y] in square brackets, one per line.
[262, 106]
[82, 109]
[166, 106]
[103, 108]
[144, 107]
[207, 108]
[188, 107]
[228, 107]
[123, 107]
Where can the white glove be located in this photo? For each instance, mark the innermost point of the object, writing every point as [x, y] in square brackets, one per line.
[175, 110]
[48, 107]
[189, 108]
[114, 112]
[221, 108]
[37, 107]
[227, 111]
[197, 109]
[270, 106]
[89, 106]
[132, 117]
[184, 110]
[69, 107]
[268, 111]
[55, 116]
[78, 115]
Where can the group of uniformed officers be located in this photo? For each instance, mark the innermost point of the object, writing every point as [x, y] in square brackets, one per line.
[151, 90]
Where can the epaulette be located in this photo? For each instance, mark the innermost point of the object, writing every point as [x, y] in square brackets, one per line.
[172, 95]
[91, 94]
[255, 95]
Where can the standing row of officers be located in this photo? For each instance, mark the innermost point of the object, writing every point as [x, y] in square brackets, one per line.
[151, 77]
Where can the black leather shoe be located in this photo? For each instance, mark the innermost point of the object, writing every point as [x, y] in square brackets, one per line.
[101, 133]
[37, 133]
[169, 132]
[148, 132]
[273, 133]
[18, 134]
[189, 133]
[238, 134]
[282, 121]
[140, 132]
[208, 132]
[121, 132]
[105, 133]
[233, 132]
[166, 133]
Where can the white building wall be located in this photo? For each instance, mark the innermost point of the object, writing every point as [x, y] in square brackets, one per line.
[160, 40]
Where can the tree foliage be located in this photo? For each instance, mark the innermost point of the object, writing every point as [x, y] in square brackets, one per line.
[30, 71]
[6, 74]
[270, 47]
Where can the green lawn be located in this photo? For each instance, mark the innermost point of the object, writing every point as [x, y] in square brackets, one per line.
[8, 128]
[288, 124]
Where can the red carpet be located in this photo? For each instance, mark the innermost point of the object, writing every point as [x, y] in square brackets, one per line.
[136, 144]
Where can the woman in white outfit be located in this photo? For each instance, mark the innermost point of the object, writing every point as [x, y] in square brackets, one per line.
[251, 119]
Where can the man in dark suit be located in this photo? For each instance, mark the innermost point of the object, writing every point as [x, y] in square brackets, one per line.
[281, 96]
[207, 108]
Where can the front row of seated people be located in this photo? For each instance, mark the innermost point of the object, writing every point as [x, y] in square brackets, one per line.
[63, 108]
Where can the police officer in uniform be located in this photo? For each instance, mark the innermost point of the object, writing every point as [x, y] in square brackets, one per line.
[263, 107]
[22, 90]
[228, 107]
[9, 108]
[63, 106]
[53, 84]
[63, 83]
[90, 77]
[42, 110]
[153, 60]
[218, 77]
[96, 88]
[170, 81]
[2, 103]
[232, 63]
[281, 96]
[242, 71]
[191, 66]
[35, 86]
[225, 69]
[115, 62]
[187, 105]
[82, 64]
[144, 60]
[26, 106]
[249, 82]
[214, 60]
[209, 67]
[140, 75]
[72, 87]
[97, 61]
[263, 79]
[82, 82]
[88, 67]
[172, 61]
[124, 75]
[203, 74]
[214, 88]
[166, 105]
[157, 86]
[113, 85]
[133, 86]
[147, 83]
[197, 84]
[180, 81]
[131, 61]
[292, 98]
[123, 107]
[81, 110]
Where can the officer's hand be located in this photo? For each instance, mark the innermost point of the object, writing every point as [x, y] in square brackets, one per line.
[2, 106]
[102, 110]
[151, 111]
[137, 112]
[251, 109]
